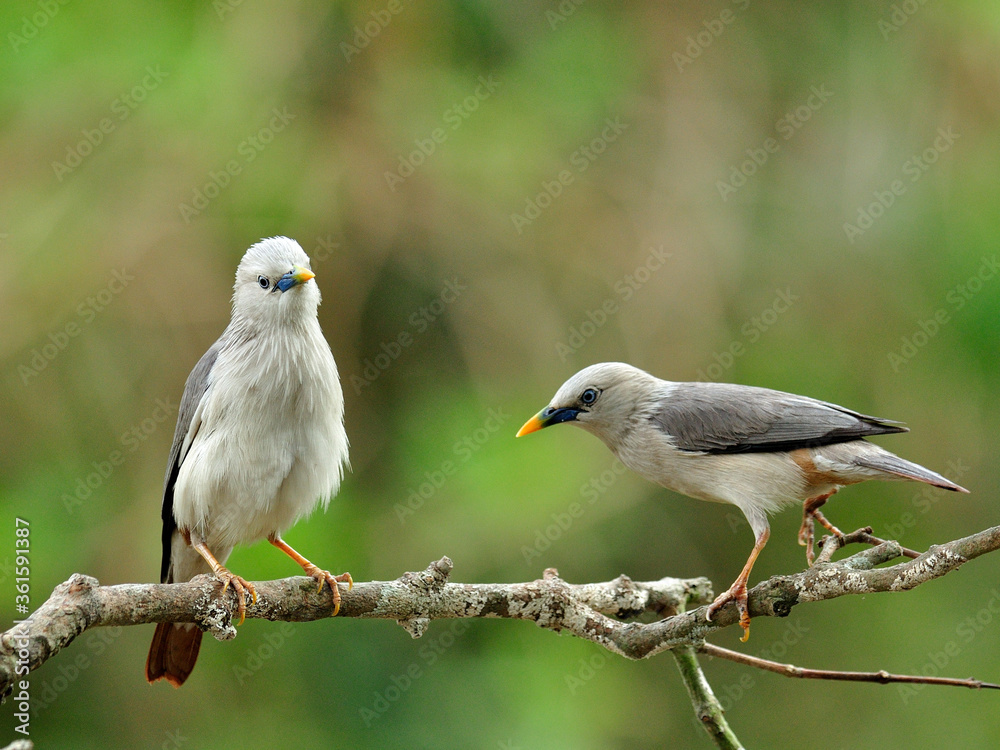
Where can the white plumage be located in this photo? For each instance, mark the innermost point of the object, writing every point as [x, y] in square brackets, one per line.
[755, 448]
[260, 437]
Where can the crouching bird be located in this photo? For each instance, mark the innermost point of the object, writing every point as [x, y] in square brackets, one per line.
[755, 448]
[260, 440]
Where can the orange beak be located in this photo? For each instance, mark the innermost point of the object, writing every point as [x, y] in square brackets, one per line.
[548, 416]
[532, 425]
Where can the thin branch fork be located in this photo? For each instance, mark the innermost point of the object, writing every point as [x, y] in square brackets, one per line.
[414, 599]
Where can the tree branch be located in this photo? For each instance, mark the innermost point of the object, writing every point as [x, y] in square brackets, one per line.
[415, 599]
[706, 706]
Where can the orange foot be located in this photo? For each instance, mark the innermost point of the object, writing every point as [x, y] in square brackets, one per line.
[736, 593]
[325, 576]
[810, 515]
[240, 586]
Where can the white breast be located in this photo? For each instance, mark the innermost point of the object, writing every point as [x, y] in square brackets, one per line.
[268, 439]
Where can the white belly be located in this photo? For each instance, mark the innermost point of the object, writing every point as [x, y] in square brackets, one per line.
[267, 450]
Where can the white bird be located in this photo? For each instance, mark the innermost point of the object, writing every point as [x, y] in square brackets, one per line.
[757, 449]
[259, 442]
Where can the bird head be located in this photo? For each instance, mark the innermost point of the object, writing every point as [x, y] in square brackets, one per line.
[602, 399]
[273, 283]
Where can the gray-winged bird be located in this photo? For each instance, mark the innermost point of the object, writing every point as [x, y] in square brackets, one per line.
[260, 440]
[755, 448]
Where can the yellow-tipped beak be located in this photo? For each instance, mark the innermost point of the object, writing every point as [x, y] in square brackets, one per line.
[532, 425]
[302, 275]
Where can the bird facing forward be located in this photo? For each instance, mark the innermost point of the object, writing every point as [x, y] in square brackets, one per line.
[260, 440]
[755, 448]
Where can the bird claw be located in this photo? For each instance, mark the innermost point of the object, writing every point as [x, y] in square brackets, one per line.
[240, 586]
[807, 536]
[737, 593]
[810, 515]
[325, 576]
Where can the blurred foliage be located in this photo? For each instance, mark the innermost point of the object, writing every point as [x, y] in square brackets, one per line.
[286, 119]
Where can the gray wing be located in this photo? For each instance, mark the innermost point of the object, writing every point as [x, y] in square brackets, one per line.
[724, 418]
[194, 389]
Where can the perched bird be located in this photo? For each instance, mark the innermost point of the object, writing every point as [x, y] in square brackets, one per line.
[754, 448]
[260, 440]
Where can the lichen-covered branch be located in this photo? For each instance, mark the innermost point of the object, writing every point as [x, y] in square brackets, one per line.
[590, 611]
[414, 599]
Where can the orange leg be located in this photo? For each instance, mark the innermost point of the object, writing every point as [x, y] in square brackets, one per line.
[738, 591]
[240, 585]
[810, 513]
[321, 576]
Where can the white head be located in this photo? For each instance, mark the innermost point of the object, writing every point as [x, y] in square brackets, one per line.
[274, 285]
[603, 399]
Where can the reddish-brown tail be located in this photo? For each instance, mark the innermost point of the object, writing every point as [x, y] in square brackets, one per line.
[173, 652]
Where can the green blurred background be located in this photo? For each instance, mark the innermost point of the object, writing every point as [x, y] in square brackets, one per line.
[410, 146]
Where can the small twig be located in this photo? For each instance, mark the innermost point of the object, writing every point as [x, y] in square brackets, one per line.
[907, 552]
[706, 706]
[882, 677]
[831, 543]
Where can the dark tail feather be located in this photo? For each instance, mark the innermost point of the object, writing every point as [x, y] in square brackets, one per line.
[907, 470]
[173, 652]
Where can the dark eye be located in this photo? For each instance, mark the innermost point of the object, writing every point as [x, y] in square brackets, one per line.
[264, 283]
[589, 396]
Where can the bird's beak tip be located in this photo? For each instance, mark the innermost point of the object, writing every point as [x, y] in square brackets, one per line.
[532, 425]
[302, 275]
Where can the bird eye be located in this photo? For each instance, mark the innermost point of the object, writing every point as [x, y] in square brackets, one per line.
[589, 396]
[263, 281]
